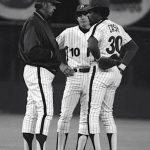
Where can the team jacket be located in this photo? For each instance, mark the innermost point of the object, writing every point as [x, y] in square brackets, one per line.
[37, 42]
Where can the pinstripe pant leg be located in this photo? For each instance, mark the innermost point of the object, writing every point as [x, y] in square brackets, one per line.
[45, 113]
[70, 99]
[29, 121]
[44, 101]
[107, 105]
[106, 115]
[83, 127]
[98, 93]
[68, 105]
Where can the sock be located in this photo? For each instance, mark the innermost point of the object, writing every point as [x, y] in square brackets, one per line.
[81, 142]
[109, 135]
[95, 138]
[61, 141]
[112, 139]
[41, 140]
[92, 139]
[28, 137]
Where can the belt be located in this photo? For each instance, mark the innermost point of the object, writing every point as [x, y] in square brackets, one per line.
[83, 70]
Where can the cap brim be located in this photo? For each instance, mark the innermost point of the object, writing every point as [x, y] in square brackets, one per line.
[56, 2]
[48, 1]
[82, 10]
[88, 8]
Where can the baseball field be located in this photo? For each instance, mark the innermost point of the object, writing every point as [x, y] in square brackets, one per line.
[132, 134]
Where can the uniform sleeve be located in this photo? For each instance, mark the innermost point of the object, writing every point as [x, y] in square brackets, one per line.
[61, 40]
[125, 36]
[98, 33]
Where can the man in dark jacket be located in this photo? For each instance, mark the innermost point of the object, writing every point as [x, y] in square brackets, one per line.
[38, 49]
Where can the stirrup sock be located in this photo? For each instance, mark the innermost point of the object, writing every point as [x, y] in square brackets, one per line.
[41, 139]
[29, 138]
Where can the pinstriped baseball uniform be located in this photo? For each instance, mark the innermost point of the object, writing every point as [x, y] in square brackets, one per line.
[77, 56]
[104, 83]
[75, 42]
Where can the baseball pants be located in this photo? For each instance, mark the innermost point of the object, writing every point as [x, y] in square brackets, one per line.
[39, 108]
[102, 90]
[75, 91]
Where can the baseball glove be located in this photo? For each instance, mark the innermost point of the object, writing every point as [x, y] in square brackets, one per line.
[108, 62]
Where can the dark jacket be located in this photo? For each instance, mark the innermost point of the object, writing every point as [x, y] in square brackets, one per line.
[37, 42]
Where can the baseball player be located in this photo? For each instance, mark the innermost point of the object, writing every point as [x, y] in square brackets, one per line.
[74, 41]
[38, 49]
[107, 41]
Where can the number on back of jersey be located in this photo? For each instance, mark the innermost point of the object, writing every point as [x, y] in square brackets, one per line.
[115, 44]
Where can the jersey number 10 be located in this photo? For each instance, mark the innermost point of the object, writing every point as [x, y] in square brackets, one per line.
[75, 52]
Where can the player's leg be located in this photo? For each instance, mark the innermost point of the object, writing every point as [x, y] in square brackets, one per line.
[96, 95]
[43, 94]
[107, 118]
[81, 141]
[83, 128]
[61, 140]
[107, 110]
[41, 141]
[29, 121]
[70, 99]
[45, 114]
[68, 105]
[28, 125]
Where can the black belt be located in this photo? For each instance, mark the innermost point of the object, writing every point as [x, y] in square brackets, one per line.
[83, 70]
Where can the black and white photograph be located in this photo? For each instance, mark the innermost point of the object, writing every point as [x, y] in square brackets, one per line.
[74, 74]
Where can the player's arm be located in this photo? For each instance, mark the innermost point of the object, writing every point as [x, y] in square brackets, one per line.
[63, 56]
[129, 50]
[93, 47]
[65, 69]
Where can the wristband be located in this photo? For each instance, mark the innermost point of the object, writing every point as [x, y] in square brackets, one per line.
[122, 66]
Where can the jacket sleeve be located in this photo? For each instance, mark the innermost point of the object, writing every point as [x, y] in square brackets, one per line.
[32, 45]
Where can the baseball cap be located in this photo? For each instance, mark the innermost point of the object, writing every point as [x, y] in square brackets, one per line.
[81, 8]
[97, 4]
[47, 1]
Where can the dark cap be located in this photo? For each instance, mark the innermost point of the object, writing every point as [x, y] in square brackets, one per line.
[81, 8]
[98, 4]
[48, 1]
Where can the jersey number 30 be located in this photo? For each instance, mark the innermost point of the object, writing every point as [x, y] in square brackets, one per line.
[115, 44]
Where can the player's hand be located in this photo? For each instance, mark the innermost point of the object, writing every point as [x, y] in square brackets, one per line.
[66, 70]
[108, 62]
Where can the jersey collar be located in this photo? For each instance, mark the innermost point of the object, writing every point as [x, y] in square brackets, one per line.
[83, 30]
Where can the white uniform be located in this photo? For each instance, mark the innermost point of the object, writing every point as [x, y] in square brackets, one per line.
[77, 56]
[111, 37]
